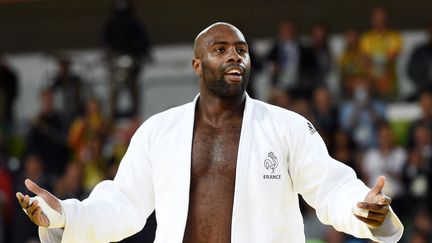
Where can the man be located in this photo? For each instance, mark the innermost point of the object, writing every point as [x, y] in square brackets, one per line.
[381, 47]
[284, 57]
[127, 48]
[70, 86]
[420, 63]
[224, 168]
[8, 94]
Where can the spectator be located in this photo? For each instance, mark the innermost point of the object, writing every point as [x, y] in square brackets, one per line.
[92, 124]
[23, 230]
[325, 114]
[416, 182]
[425, 103]
[281, 98]
[418, 236]
[359, 117]
[352, 64]
[315, 60]
[422, 227]
[94, 164]
[6, 196]
[382, 46]
[86, 139]
[423, 141]
[420, 63]
[387, 159]
[127, 47]
[71, 89]
[302, 106]
[284, 58]
[8, 94]
[422, 178]
[47, 136]
[119, 141]
[344, 150]
[70, 184]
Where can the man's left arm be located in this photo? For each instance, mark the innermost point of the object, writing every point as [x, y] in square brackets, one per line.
[333, 189]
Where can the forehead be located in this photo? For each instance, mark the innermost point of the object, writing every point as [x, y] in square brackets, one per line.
[223, 33]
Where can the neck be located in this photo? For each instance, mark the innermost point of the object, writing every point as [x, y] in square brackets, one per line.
[217, 111]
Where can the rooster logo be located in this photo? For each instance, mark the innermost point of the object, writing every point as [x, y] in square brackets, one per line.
[271, 162]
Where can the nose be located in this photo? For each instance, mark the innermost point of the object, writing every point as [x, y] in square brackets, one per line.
[234, 56]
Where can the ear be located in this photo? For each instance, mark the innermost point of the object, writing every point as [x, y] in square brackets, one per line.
[196, 65]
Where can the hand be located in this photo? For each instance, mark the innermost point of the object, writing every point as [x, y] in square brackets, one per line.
[34, 211]
[377, 204]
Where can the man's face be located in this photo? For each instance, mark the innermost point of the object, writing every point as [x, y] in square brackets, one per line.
[225, 63]
[379, 19]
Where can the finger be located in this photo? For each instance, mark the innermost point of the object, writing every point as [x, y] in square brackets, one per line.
[379, 185]
[35, 216]
[33, 187]
[360, 212]
[20, 197]
[41, 218]
[372, 207]
[370, 222]
[376, 216]
[26, 202]
[32, 208]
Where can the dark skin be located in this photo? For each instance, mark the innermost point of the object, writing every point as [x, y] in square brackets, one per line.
[216, 133]
[222, 63]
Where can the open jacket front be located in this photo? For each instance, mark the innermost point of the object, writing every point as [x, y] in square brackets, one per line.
[280, 156]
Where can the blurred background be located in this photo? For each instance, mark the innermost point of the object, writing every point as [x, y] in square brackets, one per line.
[77, 78]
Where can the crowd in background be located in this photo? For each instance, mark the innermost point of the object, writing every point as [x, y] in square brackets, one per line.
[69, 151]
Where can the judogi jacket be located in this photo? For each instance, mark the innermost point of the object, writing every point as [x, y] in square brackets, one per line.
[280, 156]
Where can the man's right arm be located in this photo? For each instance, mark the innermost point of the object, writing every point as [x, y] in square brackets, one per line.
[115, 209]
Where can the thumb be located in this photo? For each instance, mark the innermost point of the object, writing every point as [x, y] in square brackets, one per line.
[33, 187]
[379, 185]
[50, 199]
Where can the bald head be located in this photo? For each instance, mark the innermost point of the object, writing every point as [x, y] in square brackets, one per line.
[203, 37]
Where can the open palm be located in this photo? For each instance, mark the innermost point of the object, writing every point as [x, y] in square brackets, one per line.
[33, 209]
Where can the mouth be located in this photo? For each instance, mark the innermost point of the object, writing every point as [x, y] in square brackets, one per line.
[234, 74]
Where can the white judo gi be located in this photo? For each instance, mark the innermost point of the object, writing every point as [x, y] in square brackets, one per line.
[280, 155]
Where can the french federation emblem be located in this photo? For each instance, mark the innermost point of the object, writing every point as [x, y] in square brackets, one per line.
[271, 162]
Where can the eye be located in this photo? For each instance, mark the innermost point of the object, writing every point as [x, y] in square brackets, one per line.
[241, 50]
[220, 50]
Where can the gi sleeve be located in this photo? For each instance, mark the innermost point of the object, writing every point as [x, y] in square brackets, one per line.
[332, 187]
[116, 208]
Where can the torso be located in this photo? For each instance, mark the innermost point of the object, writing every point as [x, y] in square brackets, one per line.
[214, 157]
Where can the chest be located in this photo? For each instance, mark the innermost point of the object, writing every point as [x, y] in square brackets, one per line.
[214, 150]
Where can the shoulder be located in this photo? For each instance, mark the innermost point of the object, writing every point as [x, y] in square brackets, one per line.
[164, 121]
[172, 113]
[279, 116]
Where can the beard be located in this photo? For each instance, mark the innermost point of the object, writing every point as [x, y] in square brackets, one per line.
[215, 83]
